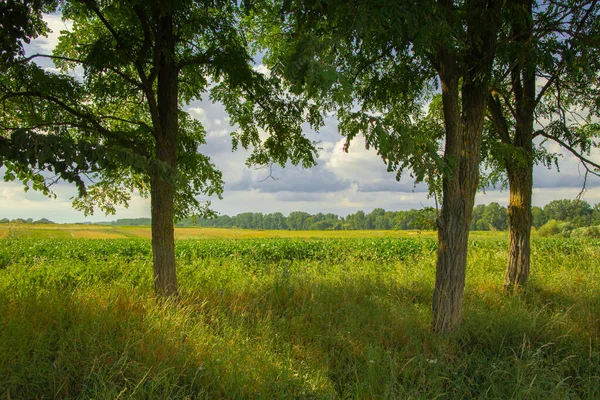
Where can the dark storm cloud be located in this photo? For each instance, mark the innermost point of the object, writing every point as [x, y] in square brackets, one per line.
[391, 185]
[295, 180]
[552, 179]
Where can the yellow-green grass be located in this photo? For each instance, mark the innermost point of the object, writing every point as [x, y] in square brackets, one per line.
[111, 232]
[290, 318]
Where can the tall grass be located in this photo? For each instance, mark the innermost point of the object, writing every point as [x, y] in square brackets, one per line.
[283, 318]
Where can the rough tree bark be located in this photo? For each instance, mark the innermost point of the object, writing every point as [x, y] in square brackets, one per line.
[519, 166]
[162, 188]
[520, 179]
[463, 143]
[464, 130]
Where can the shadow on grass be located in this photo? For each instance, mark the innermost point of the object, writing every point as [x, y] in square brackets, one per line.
[371, 338]
[331, 336]
[123, 344]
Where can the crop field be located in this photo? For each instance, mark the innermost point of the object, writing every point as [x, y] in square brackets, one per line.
[327, 316]
[51, 231]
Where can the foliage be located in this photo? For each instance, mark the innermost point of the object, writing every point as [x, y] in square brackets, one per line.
[576, 211]
[490, 217]
[370, 63]
[544, 80]
[588, 232]
[100, 131]
[423, 219]
[550, 228]
[21, 21]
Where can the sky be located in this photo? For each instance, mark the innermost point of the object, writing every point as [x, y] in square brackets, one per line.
[341, 183]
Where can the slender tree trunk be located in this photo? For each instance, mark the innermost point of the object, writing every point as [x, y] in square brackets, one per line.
[519, 227]
[162, 184]
[519, 166]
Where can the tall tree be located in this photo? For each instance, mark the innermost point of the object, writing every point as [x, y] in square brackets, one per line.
[123, 125]
[545, 86]
[377, 63]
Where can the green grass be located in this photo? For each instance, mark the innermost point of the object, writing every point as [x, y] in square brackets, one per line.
[293, 318]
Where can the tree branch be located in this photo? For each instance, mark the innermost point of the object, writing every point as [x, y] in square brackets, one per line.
[146, 80]
[585, 161]
[498, 119]
[119, 137]
[562, 62]
[116, 71]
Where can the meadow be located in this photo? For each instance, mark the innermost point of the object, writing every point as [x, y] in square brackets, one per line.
[277, 314]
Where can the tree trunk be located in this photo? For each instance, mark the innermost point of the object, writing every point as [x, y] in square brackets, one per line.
[519, 166]
[163, 237]
[453, 235]
[452, 230]
[519, 226]
[463, 143]
[163, 183]
[464, 112]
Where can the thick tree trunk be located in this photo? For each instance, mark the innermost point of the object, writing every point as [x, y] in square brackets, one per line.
[464, 109]
[463, 143]
[162, 184]
[452, 230]
[453, 235]
[519, 226]
[163, 237]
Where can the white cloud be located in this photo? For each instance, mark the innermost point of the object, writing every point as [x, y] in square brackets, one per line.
[46, 44]
[16, 203]
[263, 69]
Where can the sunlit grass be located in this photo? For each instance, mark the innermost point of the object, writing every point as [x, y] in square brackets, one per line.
[287, 318]
[56, 231]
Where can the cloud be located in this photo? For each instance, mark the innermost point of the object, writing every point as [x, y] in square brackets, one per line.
[294, 180]
[46, 44]
[341, 183]
[393, 186]
[16, 203]
[263, 69]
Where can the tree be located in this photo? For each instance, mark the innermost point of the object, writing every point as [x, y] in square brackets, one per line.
[359, 221]
[295, 221]
[577, 211]
[494, 217]
[553, 44]
[377, 63]
[123, 124]
[539, 217]
[595, 219]
[476, 218]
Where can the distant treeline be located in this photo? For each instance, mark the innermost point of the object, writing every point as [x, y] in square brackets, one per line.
[423, 219]
[571, 214]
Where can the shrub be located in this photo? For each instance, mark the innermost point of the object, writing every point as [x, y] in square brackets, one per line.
[589, 232]
[550, 228]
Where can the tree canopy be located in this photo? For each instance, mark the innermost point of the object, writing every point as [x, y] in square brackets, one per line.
[121, 125]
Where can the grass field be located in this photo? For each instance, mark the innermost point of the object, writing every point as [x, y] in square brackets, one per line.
[50, 231]
[289, 317]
